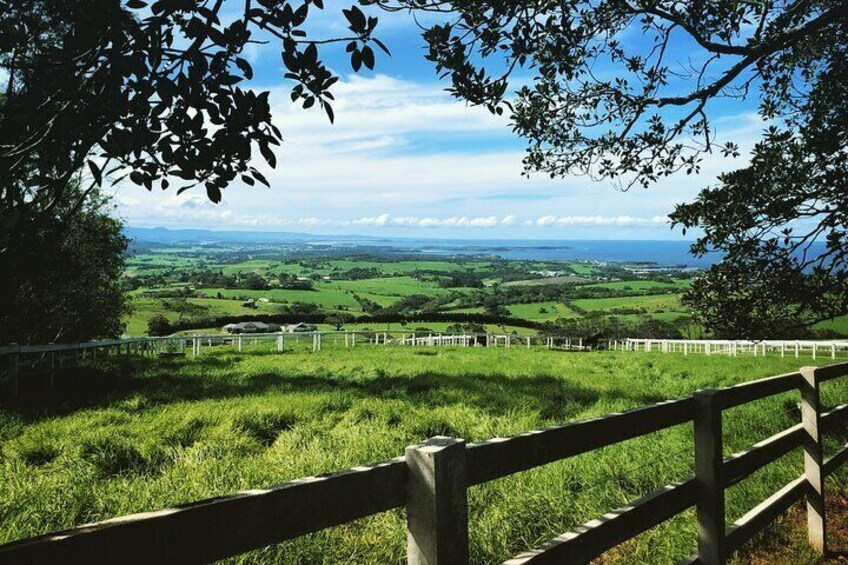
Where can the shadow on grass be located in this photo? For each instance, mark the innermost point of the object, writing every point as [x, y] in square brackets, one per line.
[154, 382]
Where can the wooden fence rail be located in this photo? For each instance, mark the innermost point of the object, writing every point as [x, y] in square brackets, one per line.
[432, 480]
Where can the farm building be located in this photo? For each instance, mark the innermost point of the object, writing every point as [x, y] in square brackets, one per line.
[252, 328]
[301, 327]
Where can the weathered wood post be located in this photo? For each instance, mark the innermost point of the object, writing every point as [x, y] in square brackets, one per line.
[52, 367]
[437, 503]
[14, 369]
[813, 459]
[797, 348]
[709, 475]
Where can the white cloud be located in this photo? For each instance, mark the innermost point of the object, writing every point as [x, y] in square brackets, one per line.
[548, 221]
[423, 160]
[431, 222]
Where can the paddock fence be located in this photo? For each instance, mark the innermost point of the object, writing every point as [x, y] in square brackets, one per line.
[431, 482]
[20, 361]
[814, 348]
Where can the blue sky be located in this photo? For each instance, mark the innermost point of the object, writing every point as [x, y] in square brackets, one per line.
[404, 159]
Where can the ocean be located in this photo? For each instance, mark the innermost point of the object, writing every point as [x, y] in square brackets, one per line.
[674, 253]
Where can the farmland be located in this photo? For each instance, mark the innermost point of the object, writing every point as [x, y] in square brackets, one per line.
[165, 432]
[194, 286]
[204, 286]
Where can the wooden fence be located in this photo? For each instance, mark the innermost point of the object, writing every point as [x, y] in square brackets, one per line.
[432, 479]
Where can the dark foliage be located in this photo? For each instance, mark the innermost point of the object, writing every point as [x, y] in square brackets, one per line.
[782, 221]
[154, 90]
[63, 280]
[637, 111]
[158, 325]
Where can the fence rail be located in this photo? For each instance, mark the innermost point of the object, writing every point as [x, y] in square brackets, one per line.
[432, 479]
[48, 358]
[734, 347]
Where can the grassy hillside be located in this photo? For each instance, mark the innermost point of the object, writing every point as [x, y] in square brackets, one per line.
[169, 432]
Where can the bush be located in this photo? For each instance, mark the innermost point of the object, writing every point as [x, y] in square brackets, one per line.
[159, 325]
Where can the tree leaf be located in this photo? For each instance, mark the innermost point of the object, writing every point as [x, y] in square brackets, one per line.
[95, 170]
[245, 68]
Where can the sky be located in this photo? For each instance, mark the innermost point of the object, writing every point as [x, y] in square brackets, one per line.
[405, 159]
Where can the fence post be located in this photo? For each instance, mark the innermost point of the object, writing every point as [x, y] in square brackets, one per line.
[813, 459]
[437, 503]
[14, 370]
[709, 474]
[52, 367]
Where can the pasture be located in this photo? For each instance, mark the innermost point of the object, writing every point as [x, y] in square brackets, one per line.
[650, 303]
[152, 433]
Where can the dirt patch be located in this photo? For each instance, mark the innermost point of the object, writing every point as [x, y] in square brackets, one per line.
[786, 541]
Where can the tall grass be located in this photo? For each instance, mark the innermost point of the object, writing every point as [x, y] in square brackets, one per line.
[165, 432]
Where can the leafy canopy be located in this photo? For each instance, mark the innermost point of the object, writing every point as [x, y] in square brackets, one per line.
[626, 90]
[150, 90]
[66, 283]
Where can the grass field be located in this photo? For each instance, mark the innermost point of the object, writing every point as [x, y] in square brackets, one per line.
[146, 308]
[651, 303]
[839, 324]
[165, 432]
[531, 311]
[642, 285]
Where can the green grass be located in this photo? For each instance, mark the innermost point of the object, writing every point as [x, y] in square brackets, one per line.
[171, 432]
[327, 295]
[530, 311]
[582, 268]
[637, 285]
[839, 324]
[651, 303]
[145, 308]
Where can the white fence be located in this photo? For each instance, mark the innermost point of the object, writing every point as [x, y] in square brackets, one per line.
[783, 348]
[16, 360]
